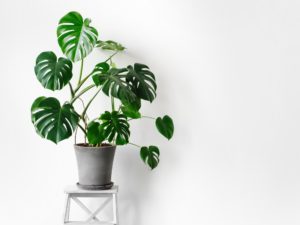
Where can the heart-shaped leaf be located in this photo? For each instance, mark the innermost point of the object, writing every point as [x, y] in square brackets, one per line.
[95, 133]
[115, 127]
[53, 121]
[76, 37]
[165, 126]
[150, 156]
[110, 45]
[53, 74]
[142, 81]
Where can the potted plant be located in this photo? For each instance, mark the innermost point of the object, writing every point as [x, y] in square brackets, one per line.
[126, 87]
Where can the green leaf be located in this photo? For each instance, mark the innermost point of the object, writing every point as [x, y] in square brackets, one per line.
[100, 69]
[53, 74]
[115, 127]
[150, 156]
[53, 121]
[114, 84]
[95, 133]
[110, 45]
[142, 81]
[130, 112]
[131, 109]
[76, 37]
[165, 126]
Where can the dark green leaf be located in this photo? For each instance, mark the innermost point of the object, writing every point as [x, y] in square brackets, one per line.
[53, 121]
[150, 155]
[110, 45]
[114, 84]
[76, 37]
[130, 113]
[115, 127]
[165, 126]
[95, 133]
[131, 109]
[53, 74]
[142, 81]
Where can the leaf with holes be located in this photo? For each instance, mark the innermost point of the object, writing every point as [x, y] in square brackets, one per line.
[51, 72]
[165, 126]
[115, 127]
[150, 155]
[110, 45]
[76, 37]
[53, 121]
[114, 84]
[142, 81]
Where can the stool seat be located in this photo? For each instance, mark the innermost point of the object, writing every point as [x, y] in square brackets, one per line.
[73, 192]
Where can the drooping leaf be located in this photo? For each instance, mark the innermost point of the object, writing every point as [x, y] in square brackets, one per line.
[165, 126]
[131, 109]
[115, 127]
[150, 155]
[53, 121]
[76, 37]
[114, 84]
[142, 81]
[51, 72]
[110, 45]
[95, 133]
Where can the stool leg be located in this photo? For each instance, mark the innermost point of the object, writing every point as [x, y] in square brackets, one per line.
[67, 209]
[115, 209]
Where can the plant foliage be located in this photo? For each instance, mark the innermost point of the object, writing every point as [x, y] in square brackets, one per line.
[127, 87]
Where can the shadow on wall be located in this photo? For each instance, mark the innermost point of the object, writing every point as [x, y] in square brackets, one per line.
[135, 184]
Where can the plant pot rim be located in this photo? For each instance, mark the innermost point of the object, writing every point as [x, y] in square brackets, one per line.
[82, 145]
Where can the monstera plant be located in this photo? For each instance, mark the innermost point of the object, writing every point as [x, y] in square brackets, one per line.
[127, 88]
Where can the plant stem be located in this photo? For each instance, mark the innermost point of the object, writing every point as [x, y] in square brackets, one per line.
[71, 90]
[109, 58]
[81, 70]
[89, 103]
[134, 145]
[83, 130]
[112, 103]
[148, 117]
[82, 82]
[82, 92]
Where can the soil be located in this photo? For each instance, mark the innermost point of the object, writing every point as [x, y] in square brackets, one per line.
[87, 145]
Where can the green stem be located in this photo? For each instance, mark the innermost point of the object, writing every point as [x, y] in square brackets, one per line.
[89, 103]
[112, 103]
[109, 58]
[81, 70]
[82, 92]
[148, 117]
[82, 82]
[134, 145]
[71, 90]
[83, 130]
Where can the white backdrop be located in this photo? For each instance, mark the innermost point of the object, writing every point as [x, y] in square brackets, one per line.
[228, 73]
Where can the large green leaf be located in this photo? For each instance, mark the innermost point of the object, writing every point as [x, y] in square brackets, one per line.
[53, 73]
[142, 81]
[115, 127]
[76, 37]
[150, 155]
[165, 126]
[110, 45]
[95, 133]
[114, 83]
[131, 109]
[53, 121]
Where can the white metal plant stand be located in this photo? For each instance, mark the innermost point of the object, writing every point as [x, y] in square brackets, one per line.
[74, 193]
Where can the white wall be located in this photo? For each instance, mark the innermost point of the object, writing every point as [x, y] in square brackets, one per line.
[228, 73]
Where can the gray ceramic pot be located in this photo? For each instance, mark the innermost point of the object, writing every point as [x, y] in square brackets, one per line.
[95, 166]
